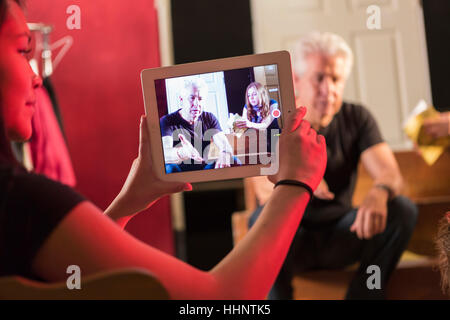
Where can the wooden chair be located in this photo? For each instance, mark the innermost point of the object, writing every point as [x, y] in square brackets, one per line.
[416, 276]
[123, 284]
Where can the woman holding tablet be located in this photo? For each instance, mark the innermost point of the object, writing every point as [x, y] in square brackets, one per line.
[46, 226]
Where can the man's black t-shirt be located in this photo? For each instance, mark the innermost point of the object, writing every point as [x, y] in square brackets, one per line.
[352, 131]
[199, 133]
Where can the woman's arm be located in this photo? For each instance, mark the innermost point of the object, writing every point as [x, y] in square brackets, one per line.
[88, 239]
[142, 188]
[265, 123]
[94, 243]
[250, 269]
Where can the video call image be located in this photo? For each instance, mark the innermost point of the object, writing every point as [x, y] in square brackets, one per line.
[219, 120]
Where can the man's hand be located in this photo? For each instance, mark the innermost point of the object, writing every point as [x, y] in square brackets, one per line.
[243, 124]
[438, 127]
[302, 152]
[224, 160]
[187, 150]
[322, 191]
[372, 215]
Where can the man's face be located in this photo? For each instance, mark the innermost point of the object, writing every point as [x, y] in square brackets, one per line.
[193, 104]
[321, 88]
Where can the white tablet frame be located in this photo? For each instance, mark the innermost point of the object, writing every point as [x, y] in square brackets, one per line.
[148, 77]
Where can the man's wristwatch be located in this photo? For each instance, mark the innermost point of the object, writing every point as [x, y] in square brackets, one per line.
[387, 189]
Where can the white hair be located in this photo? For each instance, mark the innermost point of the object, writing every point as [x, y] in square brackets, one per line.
[324, 43]
[192, 82]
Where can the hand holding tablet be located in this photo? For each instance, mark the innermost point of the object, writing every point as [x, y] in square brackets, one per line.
[306, 162]
[190, 106]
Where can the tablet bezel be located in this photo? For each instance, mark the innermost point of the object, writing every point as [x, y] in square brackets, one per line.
[148, 77]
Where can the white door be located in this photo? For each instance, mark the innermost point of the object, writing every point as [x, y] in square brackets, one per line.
[216, 102]
[390, 75]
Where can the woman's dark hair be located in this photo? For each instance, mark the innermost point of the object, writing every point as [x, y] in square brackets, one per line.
[5, 145]
[4, 9]
[443, 249]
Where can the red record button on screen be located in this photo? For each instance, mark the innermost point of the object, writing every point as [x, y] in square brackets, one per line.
[276, 113]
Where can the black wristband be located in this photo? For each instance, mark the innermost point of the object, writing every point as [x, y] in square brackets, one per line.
[297, 184]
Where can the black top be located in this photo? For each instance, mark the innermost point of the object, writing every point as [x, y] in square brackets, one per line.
[199, 133]
[31, 206]
[352, 131]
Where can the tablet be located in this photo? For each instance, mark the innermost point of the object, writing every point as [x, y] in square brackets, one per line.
[218, 119]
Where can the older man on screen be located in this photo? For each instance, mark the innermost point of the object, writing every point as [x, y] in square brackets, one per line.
[193, 128]
[333, 234]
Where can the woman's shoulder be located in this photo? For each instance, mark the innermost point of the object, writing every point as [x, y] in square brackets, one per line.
[8, 174]
[32, 206]
[36, 190]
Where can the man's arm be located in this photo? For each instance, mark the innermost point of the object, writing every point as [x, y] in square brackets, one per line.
[170, 153]
[222, 142]
[225, 150]
[182, 152]
[371, 217]
[380, 162]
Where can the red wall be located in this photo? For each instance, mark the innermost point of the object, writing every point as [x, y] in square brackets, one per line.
[99, 91]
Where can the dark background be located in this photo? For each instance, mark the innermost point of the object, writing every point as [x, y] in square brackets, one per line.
[437, 26]
[205, 30]
[236, 83]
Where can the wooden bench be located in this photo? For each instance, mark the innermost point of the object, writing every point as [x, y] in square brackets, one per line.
[416, 276]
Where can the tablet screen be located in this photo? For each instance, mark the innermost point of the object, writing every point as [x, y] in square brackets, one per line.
[220, 119]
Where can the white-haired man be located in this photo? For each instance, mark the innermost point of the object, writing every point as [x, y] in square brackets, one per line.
[193, 128]
[333, 234]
